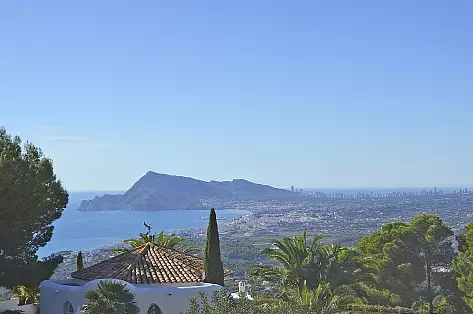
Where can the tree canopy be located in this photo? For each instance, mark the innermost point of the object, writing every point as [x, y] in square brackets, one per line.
[405, 267]
[79, 261]
[213, 261]
[319, 276]
[416, 259]
[293, 255]
[463, 264]
[31, 199]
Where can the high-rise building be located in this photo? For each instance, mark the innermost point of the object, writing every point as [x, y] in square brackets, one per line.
[292, 188]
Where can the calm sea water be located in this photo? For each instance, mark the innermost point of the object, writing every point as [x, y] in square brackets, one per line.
[77, 230]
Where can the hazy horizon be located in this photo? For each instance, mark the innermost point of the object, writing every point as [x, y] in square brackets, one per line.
[445, 188]
[321, 94]
[288, 187]
[321, 189]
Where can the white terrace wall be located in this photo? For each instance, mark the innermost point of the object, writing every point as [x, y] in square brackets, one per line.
[171, 299]
[13, 305]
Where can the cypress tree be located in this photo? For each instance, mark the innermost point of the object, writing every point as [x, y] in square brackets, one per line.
[80, 261]
[213, 263]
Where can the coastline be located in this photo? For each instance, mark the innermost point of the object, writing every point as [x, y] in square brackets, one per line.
[98, 254]
[85, 231]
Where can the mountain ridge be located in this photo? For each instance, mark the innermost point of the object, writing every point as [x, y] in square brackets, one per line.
[158, 191]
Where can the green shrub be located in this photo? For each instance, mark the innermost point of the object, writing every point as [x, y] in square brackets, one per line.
[220, 304]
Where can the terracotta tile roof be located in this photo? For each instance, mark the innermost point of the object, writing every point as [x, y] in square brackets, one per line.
[148, 264]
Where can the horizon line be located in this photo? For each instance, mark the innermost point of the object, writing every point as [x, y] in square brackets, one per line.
[316, 188]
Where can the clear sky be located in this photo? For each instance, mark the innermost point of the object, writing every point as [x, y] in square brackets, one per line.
[306, 93]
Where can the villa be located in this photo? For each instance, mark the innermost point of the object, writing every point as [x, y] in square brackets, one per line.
[162, 279]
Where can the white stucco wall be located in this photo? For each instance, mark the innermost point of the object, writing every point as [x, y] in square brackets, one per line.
[13, 305]
[172, 299]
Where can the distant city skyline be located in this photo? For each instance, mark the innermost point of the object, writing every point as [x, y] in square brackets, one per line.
[392, 188]
[384, 193]
[315, 94]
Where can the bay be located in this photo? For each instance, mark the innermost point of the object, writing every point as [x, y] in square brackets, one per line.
[79, 230]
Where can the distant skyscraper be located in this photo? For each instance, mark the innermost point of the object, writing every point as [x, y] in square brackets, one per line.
[435, 190]
[292, 188]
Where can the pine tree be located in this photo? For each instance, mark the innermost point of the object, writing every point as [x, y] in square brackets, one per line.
[80, 261]
[463, 264]
[213, 262]
[31, 199]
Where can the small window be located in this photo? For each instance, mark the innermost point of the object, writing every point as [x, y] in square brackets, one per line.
[68, 309]
[154, 309]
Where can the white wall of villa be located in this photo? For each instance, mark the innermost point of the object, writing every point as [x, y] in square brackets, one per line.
[56, 295]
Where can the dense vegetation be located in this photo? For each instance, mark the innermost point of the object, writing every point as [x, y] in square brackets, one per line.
[31, 198]
[221, 304]
[412, 266]
[405, 267]
[416, 263]
[463, 264]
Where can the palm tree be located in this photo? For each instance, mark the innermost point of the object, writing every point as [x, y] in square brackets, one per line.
[323, 277]
[345, 271]
[170, 240]
[327, 300]
[110, 297]
[349, 268]
[293, 254]
[322, 300]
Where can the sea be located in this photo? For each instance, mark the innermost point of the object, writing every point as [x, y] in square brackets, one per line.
[86, 230]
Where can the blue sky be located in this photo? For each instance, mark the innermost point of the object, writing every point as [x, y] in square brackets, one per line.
[310, 93]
